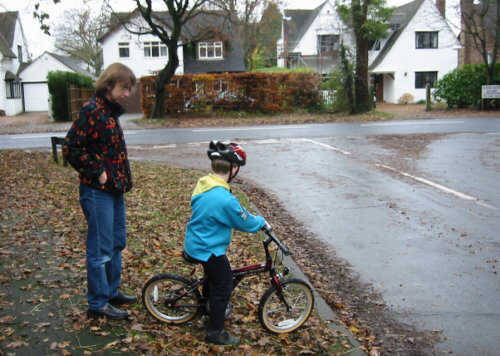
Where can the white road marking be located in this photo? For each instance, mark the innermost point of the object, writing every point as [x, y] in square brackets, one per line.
[327, 146]
[440, 187]
[249, 128]
[409, 123]
[266, 142]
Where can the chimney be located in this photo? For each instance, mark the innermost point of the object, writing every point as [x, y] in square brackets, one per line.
[441, 5]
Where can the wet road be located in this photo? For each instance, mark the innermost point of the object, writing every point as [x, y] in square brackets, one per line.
[423, 229]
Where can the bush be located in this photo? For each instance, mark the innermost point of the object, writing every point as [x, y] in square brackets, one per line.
[461, 88]
[336, 84]
[59, 83]
[406, 98]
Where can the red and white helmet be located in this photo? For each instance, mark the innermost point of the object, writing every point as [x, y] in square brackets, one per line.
[231, 152]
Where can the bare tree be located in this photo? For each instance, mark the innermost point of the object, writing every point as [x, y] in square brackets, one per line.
[246, 13]
[481, 24]
[168, 29]
[78, 34]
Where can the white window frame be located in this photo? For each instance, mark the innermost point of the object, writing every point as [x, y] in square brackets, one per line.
[149, 46]
[206, 48]
[123, 45]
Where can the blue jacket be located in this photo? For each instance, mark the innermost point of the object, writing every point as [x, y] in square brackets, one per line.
[215, 212]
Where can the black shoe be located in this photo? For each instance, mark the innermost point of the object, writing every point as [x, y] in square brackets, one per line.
[108, 311]
[221, 338]
[121, 299]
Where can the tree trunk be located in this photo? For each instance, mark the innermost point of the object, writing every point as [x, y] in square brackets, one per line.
[363, 102]
[163, 78]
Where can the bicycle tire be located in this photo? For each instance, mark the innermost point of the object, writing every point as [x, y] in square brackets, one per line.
[273, 313]
[157, 297]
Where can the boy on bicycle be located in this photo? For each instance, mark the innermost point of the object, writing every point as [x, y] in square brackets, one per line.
[215, 212]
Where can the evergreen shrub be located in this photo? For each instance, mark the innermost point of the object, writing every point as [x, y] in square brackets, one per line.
[59, 83]
[461, 88]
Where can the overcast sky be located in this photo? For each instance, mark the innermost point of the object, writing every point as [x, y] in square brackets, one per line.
[39, 42]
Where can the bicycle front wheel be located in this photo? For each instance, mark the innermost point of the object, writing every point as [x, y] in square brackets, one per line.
[168, 298]
[286, 310]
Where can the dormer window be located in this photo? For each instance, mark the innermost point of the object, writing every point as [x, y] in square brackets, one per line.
[210, 50]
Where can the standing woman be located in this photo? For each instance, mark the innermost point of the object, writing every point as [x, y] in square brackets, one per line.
[95, 147]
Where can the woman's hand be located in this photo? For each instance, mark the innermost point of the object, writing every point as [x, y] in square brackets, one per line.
[103, 178]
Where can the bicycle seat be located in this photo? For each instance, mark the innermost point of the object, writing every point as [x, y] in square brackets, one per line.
[190, 259]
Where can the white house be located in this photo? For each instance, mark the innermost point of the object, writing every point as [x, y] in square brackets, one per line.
[420, 47]
[34, 78]
[13, 55]
[147, 55]
[311, 38]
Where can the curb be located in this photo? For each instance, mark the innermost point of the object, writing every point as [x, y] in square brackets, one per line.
[324, 311]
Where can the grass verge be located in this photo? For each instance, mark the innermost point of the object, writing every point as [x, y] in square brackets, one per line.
[43, 278]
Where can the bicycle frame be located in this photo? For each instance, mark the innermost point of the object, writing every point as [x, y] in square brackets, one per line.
[240, 273]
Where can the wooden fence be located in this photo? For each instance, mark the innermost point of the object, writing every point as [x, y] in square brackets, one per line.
[77, 96]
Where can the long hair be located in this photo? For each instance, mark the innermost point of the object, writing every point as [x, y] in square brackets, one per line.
[114, 73]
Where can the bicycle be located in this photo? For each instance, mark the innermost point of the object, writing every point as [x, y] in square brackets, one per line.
[284, 307]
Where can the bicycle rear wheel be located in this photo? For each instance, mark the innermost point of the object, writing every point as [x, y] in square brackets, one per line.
[274, 314]
[168, 298]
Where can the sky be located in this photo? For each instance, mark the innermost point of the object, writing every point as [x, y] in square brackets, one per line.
[39, 42]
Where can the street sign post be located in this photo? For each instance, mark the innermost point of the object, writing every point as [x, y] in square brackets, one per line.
[489, 92]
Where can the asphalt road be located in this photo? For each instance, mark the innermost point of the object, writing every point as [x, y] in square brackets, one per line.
[421, 227]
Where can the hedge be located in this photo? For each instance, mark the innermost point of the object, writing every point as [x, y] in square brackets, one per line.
[59, 83]
[461, 87]
[252, 92]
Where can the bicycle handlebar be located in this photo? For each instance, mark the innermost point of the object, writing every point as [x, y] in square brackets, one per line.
[280, 244]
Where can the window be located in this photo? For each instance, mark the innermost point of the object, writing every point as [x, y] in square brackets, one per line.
[155, 49]
[210, 50]
[123, 49]
[422, 78]
[426, 39]
[20, 53]
[13, 89]
[328, 43]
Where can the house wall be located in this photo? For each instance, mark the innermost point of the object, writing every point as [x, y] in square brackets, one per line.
[13, 106]
[140, 65]
[404, 59]
[326, 22]
[34, 78]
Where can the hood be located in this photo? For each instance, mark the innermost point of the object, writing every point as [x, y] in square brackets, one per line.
[209, 182]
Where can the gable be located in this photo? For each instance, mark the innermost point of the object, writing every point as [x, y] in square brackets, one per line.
[419, 15]
[304, 26]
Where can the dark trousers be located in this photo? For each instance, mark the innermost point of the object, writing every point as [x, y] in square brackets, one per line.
[219, 287]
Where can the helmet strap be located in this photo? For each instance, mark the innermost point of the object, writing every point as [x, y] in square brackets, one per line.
[231, 176]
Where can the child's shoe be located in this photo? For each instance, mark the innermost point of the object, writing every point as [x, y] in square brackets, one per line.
[221, 337]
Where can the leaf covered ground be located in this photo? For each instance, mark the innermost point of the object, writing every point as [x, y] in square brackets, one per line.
[43, 279]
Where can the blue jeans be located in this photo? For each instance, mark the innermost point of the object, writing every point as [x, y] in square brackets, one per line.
[106, 238]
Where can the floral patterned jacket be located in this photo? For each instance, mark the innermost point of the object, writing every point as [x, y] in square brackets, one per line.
[95, 143]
